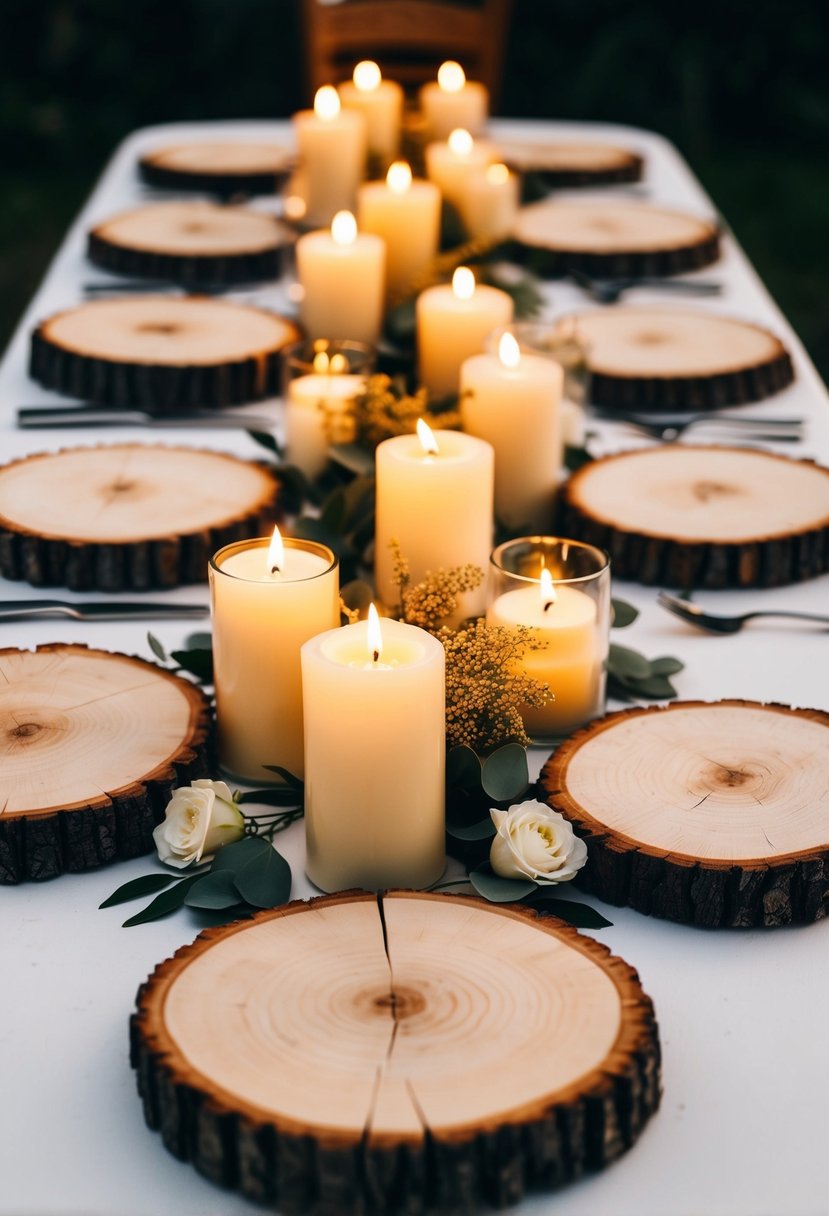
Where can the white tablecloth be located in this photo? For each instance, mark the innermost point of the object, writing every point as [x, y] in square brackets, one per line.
[742, 1014]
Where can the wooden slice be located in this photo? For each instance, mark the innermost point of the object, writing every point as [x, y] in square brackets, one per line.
[427, 1053]
[162, 353]
[91, 746]
[613, 238]
[574, 164]
[657, 358]
[128, 517]
[193, 243]
[223, 168]
[711, 814]
[693, 516]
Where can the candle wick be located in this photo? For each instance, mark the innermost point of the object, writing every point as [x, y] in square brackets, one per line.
[548, 604]
[376, 656]
[276, 569]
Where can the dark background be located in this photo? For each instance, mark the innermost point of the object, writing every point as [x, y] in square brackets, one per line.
[741, 89]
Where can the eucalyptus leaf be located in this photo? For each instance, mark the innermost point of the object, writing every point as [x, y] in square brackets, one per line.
[136, 887]
[279, 797]
[215, 890]
[165, 903]
[198, 641]
[266, 440]
[657, 688]
[666, 666]
[463, 768]
[156, 647]
[287, 776]
[240, 853]
[198, 662]
[624, 614]
[500, 890]
[484, 829]
[576, 457]
[265, 881]
[626, 663]
[578, 914]
[505, 775]
[357, 595]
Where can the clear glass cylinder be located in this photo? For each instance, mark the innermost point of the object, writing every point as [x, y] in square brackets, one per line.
[322, 379]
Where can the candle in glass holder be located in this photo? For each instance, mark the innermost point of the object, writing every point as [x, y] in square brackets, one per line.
[452, 324]
[341, 273]
[324, 380]
[406, 214]
[489, 201]
[268, 597]
[380, 102]
[453, 101]
[375, 749]
[504, 399]
[332, 155]
[451, 164]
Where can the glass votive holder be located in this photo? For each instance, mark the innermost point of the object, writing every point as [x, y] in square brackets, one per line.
[559, 340]
[323, 378]
[560, 589]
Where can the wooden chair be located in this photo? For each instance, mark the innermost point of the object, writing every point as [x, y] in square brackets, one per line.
[408, 38]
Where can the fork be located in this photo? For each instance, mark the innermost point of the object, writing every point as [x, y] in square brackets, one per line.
[609, 291]
[100, 610]
[713, 623]
[668, 427]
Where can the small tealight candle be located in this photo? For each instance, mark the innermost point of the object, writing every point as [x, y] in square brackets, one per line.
[374, 697]
[341, 273]
[504, 399]
[380, 102]
[450, 165]
[319, 406]
[489, 202]
[406, 214]
[453, 101]
[268, 597]
[332, 147]
[452, 324]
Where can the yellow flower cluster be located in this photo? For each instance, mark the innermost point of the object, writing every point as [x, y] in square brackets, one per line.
[384, 409]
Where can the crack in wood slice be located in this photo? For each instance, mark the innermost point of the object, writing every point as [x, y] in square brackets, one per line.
[573, 164]
[647, 358]
[162, 353]
[92, 743]
[613, 238]
[442, 1054]
[194, 243]
[692, 516]
[222, 168]
[713, 814]
[128, 516]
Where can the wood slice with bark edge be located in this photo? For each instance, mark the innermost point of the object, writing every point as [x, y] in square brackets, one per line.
[383, 1054]
[222, 168]
[702, 516]
[197, 244]
[162, 353]
[708, 813]
[668, 359]
[572, 164]
[128, 516]
[92, 744]
[612, 238]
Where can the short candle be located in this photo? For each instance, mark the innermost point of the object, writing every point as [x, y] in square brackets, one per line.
[489, 202]
[380, 102]
[342, 274]
[452, 324]
[319, 411]
[453, 101]
[332, 147]
[406, 214]
[451, 164]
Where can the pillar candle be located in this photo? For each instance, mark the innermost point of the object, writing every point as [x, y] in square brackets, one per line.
[452, 323]
[265, 605]
[375, 756]
[406, 214]
[434, 497]
[341, 273]
[319, 412]
[489, 201]
[450, 164]
[332, 155]
[512, 400]
[453, 101]
[380, 102]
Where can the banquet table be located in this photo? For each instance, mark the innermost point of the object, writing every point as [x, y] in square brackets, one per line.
[741, 1012]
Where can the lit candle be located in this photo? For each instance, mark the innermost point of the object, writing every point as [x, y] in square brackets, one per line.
[406, 214]
[434, 497]
[512, 400]
[268, 597]
[453, 101]
[452, 323]
[319, 412]
[374, 747]
[341, 273]
[449, 165]
[332, 155]
[381, 103]
[489, 202]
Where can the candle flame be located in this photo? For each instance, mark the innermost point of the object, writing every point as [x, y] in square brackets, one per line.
[294, 207]
[338, 363]
[451, 76]
[374, 635]
[327, 103]
[427, 438]
[509, 352]
[548, 591]
[463, 283]
[497, 175]
[460, 142]
[399, 177]
[276, 553]
[367, 76]
[321, 363]
[344, 228]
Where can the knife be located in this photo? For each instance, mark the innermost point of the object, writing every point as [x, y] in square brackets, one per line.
[99, 610]
[91, 415]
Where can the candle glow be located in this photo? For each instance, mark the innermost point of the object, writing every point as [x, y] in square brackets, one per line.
[509, 352]
[461, 142]
[344, 228]
[451, 76]
[374, 634]
[497, 174]
[463, 283]
[326, 102]
[427, 438]
[548, 591]
[367, 76]
[276, 553]
[399, 177]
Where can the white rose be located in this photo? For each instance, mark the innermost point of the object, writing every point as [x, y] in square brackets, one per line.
[533, 841]
[200, 818]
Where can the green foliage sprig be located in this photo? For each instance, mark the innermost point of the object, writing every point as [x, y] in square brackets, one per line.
[630, 675]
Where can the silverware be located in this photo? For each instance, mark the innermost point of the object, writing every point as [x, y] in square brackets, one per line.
[100, 610]
[29, 417]
[668, 427]
[609, 291]
[713, 623]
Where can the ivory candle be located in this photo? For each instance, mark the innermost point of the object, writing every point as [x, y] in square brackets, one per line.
[505, 399]
[453, 101]
[341, 273]
[449, 165]
[380, 102]
[452, 323]
[375, 748]
[319, 412]
[265, 604]
[406, 214]
[332, 155]
[489, 201]
[434, 497]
